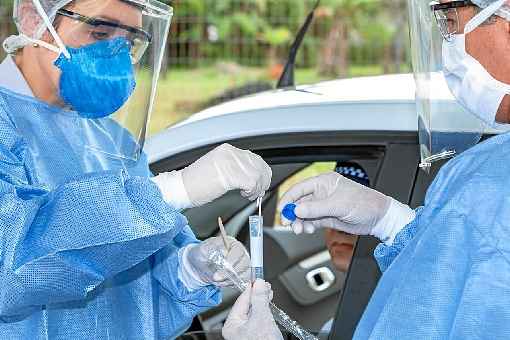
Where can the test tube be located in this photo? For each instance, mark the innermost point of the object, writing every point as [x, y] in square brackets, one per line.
[256, 225]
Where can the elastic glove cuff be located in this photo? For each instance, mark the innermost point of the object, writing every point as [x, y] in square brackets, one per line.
[396, 218]
[186, 272]
[173, 190]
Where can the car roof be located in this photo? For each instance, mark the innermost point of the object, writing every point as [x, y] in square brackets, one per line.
[360, 89]
[383, 103]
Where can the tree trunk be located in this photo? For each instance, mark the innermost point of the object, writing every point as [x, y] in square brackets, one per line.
[327, 54]
[398, 52]
[398, 46]
[342, 52]
[272, 55]
[334, 58]
[399, 37]
[387, 60]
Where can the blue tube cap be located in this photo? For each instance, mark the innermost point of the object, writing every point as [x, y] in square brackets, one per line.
[289, 212]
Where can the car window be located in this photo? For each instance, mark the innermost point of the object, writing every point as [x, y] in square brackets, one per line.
[335, 247]
[295, 265]
[340, 245]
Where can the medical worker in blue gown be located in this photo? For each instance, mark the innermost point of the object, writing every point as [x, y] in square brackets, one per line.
[447, 264]
[92, 246]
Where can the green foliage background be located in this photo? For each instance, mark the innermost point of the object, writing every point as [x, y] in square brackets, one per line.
[216, 45]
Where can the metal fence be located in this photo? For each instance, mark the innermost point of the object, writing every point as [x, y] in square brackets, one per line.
[258, 33]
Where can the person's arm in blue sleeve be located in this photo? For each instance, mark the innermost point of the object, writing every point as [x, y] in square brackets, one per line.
[385, 253]
[187, 302]
[59, 245]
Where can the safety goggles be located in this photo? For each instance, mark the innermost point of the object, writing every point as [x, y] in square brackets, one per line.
[447, 17]
[99, 29]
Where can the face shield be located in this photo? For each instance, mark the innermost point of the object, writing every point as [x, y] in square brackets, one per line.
[456, 98]
[109, 56]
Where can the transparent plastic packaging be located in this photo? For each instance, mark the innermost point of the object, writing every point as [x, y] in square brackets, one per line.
[217, 261]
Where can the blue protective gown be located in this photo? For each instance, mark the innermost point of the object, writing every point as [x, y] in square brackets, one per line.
[447, 274]
[89, 249]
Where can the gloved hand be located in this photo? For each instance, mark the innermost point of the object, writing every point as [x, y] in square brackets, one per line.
[217, 172]
[332, 201]
[195, 261]
[255, 323]
[223, 169]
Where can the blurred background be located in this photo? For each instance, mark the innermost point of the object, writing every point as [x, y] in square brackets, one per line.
[222, 49]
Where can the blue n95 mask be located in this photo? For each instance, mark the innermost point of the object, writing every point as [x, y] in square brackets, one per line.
[98, 78]
[109, 73]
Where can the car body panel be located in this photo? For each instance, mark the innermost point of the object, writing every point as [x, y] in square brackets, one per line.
[356, 104]
[374, 89]
[325, 117]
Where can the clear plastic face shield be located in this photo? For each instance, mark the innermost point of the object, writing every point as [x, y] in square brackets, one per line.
[451, 116]
[109, 57]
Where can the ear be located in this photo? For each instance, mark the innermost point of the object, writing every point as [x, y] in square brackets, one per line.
[28, 18]
[30, 21]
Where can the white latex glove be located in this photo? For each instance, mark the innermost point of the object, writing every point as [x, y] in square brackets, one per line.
[332, 201]
[172, 189]
[250, 317]
[195, 261]
[223, 169]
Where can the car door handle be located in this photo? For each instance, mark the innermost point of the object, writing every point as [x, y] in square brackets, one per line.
[320, 279]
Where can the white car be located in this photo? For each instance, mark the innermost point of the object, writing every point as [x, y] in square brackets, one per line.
[371, 121]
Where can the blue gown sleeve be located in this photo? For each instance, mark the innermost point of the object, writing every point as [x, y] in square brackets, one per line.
[385, 255]
[59, 245]
[184, 304]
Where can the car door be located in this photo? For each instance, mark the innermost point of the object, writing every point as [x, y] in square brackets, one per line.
[397, 178]
[297, 265]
